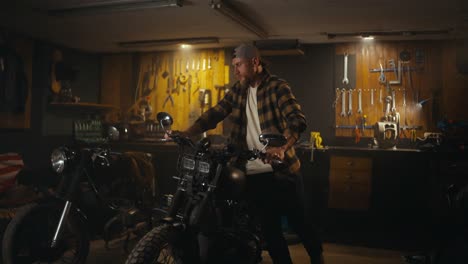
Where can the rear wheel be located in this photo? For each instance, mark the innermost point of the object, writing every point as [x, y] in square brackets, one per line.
[28, 237]
[156, 247]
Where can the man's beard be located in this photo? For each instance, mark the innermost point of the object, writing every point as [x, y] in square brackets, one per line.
[246, 81]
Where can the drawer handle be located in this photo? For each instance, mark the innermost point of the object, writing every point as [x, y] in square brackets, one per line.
[349, 175]
[350, 163]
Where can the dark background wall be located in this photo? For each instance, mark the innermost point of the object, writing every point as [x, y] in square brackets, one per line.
[311, 78]
[51, 127]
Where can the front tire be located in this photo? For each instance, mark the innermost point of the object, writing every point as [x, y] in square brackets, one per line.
[28, 236]
[156, 247]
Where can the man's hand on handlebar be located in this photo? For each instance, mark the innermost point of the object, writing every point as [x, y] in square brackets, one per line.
[171, 133]
[273, 155]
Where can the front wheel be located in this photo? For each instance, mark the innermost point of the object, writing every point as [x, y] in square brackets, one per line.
[157, 247]
[28, 237]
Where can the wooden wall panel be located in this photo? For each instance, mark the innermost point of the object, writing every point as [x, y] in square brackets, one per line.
[432, 77]
[157, 78]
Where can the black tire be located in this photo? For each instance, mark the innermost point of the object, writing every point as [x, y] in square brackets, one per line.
[28, 236]
[155, 247]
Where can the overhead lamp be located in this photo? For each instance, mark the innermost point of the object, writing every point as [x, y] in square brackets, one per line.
[230, 12]
[107, 6]
[167, 42]
[405, 33]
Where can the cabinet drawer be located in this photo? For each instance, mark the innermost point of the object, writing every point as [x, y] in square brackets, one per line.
[349, 196]
[347, 175]
[355, 163]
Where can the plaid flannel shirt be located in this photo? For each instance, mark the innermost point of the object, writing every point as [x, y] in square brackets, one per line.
[278, 112]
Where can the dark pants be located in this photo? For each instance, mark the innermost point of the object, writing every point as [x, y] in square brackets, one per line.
[271, 198]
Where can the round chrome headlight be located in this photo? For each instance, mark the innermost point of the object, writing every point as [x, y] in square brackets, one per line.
[58, 160]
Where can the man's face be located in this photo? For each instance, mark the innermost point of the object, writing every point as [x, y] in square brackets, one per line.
[243, 69]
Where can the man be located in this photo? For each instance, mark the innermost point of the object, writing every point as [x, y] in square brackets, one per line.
[263, 103]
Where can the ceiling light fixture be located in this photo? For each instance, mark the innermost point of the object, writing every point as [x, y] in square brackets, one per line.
[167, 42]
[406, 33]
[107, 6]
[229, 11]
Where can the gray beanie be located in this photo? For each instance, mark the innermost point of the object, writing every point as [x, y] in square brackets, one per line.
[246, 51]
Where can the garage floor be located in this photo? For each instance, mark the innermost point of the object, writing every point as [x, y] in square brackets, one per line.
[333, 253]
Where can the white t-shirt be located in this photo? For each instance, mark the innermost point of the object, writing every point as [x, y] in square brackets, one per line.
[253, 132]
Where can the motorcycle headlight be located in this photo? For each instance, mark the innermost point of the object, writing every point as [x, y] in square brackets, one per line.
[58, 159]
[203, 167]
[188, 164]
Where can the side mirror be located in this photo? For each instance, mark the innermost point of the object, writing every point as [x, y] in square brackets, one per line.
[272, 140]
[112, 133]
[164, 119]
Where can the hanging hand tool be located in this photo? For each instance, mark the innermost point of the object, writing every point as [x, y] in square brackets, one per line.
[393, 101]
[382, 78]
[169, 93]
[350, 102]
[337, 97]
[189, 88]
[388, 99]
[380, 95]
[345, 70]
[372, 96]
[397, 74]
[359, 101]
[343, 102]
[176, 85]
[183, 76]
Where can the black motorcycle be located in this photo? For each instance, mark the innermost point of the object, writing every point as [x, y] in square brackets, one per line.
[91, 200]
[208, 201]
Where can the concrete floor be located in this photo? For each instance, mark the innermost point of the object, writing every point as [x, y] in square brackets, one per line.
[333, 254]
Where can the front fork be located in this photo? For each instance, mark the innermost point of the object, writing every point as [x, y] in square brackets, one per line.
[63, 217]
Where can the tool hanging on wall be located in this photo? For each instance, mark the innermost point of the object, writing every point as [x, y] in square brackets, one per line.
[388, 100]
[382, 79]
[380, 95]
[183, 76]
[345, 70]
[343, 102]
[359, 101]
[397, 72]
[371, 96]
[169, 93]
[350, 102]
[337, 97]
[393, 101]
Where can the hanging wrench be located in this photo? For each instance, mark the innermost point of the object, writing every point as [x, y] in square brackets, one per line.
[372, 96]
[343, 102]
[359, 101]
[393, 101]
[350, 102]
[404, 97]
[345, 78]
[380, 95]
